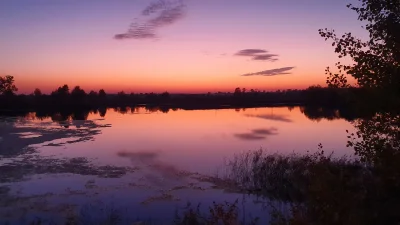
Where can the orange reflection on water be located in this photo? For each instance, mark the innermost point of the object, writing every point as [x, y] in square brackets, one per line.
[199, 140]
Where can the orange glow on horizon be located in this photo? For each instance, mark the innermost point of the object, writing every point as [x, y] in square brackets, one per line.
[172, 85]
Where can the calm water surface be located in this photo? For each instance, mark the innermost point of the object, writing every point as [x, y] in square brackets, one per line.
[151, 163]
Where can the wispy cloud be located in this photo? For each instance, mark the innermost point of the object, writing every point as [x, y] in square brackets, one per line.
[250, 52]
[269, 131]
[137, 31]
[154, 7]
[257, 54]
[167, 13]
[168, 16]
[266, 57]
[272, 72]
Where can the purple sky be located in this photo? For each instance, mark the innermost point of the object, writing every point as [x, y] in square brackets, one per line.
[46, 43]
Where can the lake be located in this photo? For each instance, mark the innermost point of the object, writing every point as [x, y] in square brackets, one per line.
[147, 164]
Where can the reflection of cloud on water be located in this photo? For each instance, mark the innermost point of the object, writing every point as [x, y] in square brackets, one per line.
[281, 118]
[159, 170]
[249, 136]
[257, 134]
[141, 156]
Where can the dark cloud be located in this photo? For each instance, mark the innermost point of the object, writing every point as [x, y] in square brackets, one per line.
[168, 16]
[269, 131]
[273, 72]
[137, 31]
[266, 57]
[154, 7]
[250, 52]
[257, 54]
[281, 118]
[167, 13]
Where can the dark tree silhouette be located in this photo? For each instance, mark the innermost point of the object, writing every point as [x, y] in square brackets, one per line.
[237, 92]
[78, 93]
[102, 93]
[165, 95]
[121, 94]
[376, 61]
[363, 190]
[93, 94]
[7, 86]
[61, 91]
[37, 92]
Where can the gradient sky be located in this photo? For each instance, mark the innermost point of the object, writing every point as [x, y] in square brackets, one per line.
[48, 43]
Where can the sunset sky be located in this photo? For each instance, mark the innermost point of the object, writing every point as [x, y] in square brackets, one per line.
[190, 46]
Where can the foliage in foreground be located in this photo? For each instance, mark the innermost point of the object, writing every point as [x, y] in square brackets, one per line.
[320, 189]
[287, 177]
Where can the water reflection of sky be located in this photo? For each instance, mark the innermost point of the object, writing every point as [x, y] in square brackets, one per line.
[200, 140]
[165, 151]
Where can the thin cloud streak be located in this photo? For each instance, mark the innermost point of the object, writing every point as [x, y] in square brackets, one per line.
[137, 31]
[272, 72]
[257, 54]
[168, 13]
[168, 16]
[266, 57]
[154, 7]
[269, 131]
[250, 52]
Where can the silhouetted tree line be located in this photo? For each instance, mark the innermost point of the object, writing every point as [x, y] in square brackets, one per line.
[64, 99]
